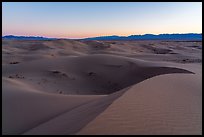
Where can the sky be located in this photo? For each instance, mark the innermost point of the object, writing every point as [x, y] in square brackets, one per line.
[90, 19]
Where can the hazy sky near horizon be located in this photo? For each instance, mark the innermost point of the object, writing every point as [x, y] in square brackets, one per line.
[88, 19]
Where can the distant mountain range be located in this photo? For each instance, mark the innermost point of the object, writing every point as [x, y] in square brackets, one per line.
[188, 36]
[12, 37]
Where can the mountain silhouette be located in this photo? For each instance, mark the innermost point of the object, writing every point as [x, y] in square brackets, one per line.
[12, 37]
[188, 36]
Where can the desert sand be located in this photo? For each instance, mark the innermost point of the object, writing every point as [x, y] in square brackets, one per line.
[63, 87]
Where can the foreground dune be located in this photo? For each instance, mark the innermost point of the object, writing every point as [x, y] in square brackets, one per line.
[25, 107]
[74, 87]
[167, 104]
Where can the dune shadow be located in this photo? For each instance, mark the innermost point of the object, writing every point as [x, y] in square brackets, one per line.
[133, 75]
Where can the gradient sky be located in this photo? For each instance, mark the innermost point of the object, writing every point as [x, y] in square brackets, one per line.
[88, 19]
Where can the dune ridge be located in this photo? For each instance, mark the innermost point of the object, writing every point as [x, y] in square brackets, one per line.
[156, 109]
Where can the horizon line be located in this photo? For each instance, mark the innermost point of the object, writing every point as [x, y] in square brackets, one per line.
[95, 36]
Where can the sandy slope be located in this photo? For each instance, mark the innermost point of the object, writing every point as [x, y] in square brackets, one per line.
[95, 87]
[25, 108]
[72, 121]
[166, 104]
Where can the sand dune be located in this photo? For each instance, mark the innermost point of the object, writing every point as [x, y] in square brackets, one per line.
[101, 87]
[25, 107]
[160, 105]
[94, 73]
